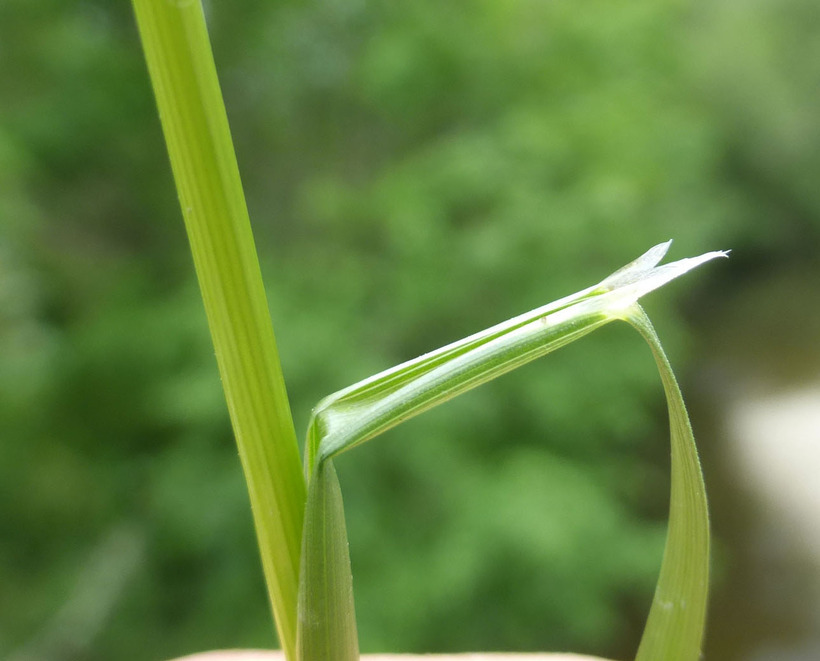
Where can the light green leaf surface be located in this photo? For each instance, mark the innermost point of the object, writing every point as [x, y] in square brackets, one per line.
[364, 410]
[178, 53]
[674, 630]
[327, 621]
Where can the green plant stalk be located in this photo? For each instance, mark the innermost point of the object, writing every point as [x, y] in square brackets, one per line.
[181, 66]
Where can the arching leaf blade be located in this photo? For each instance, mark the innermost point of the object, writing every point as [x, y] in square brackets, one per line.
[362, 411]
[677, 618]
[370, 407]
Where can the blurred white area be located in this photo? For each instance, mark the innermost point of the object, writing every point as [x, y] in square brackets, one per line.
[774, 440]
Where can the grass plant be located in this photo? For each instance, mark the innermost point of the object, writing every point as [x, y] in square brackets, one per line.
[297, 506]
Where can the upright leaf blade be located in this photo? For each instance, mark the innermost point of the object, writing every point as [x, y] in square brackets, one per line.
[175, 41]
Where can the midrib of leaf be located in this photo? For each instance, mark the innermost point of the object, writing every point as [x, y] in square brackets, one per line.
[195, 125]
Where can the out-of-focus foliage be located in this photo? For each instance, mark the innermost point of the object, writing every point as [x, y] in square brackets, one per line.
[415, 171]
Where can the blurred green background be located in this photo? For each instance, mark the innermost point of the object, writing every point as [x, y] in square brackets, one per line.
[415, 172]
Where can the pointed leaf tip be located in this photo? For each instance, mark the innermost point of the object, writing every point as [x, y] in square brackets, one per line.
[638, 267]
[636, 280]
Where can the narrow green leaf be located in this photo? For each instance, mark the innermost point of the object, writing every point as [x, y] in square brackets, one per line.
[674, 630]
[327, 620]
[360, 412]
[182, 70]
